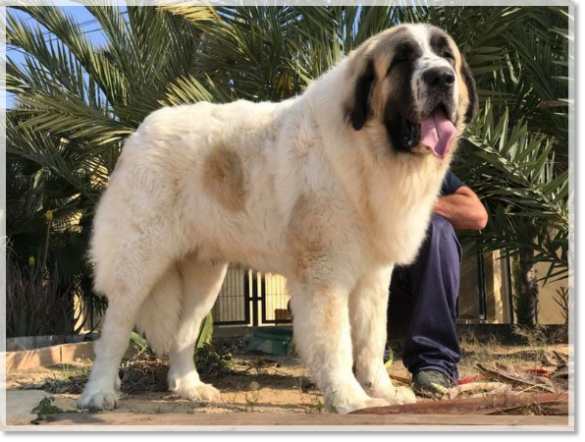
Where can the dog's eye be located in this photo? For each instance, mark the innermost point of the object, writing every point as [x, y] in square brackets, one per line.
[448, 55]
[399, 59]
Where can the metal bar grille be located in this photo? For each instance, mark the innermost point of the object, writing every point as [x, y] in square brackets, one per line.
[274, 300]
[251, 298]
[233, 303]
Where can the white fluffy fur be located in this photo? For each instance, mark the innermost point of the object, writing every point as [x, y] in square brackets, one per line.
[162, 241]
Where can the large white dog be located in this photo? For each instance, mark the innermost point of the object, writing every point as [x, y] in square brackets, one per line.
[330, 189]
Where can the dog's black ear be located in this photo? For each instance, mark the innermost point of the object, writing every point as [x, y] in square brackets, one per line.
[471, 91]
[360, 110]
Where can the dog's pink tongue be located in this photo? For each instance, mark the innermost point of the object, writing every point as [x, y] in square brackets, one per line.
[437, 132]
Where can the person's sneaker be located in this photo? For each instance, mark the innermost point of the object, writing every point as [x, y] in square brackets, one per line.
[430, 383]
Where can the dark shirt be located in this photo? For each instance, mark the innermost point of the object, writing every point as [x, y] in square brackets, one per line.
[450, 184]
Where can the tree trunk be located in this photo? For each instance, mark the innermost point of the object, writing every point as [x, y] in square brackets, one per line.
[527, 310]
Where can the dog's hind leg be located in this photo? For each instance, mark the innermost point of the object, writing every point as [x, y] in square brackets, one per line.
[127, 279]
[159, 315]
[201, 285]
[368, 308]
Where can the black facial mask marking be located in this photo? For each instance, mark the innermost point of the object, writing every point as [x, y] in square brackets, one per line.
[440, 46]
[403, 133]
[362, 97]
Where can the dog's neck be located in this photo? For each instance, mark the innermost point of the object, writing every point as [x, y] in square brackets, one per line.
[382, 185]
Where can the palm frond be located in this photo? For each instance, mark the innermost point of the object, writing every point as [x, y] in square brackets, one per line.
[514, 172]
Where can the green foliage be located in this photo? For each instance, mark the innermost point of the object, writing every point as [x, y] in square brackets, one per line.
[46, 407]
[37, 304]
[515, 172]
[139, 343]
[211, 363]
[39, 301]
[205, 332]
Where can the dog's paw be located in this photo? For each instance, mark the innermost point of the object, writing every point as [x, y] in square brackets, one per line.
[349, 406]
[398, 395]
[194, 390]
[199, 393]
[98, 400]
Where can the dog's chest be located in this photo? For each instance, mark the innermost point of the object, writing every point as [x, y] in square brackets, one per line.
[401, 215]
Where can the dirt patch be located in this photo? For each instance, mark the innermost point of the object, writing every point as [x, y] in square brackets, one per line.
[255, 384]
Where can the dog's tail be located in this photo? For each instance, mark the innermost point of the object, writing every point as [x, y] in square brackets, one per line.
[159, 315]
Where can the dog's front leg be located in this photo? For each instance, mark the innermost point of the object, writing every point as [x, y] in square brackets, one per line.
[368, 308]
[322, 337]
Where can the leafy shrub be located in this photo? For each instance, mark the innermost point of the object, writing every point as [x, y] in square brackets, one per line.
[36, 304]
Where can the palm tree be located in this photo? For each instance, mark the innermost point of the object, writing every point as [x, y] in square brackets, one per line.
[76, 103]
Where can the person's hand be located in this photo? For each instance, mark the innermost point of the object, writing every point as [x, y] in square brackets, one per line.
[463, 209]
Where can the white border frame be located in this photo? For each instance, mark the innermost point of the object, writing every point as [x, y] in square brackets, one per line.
[572, 163]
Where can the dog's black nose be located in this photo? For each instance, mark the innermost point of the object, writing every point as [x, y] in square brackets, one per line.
[442, 77]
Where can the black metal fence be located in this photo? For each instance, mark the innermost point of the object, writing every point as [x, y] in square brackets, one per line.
[274, 300]
[251, 298]
[233, 303]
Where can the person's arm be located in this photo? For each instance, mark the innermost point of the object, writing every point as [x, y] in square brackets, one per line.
[463, 209]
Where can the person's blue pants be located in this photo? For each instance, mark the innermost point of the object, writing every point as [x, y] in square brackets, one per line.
[423, 302]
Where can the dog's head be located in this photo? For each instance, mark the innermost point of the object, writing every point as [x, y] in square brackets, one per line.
[413, 80]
